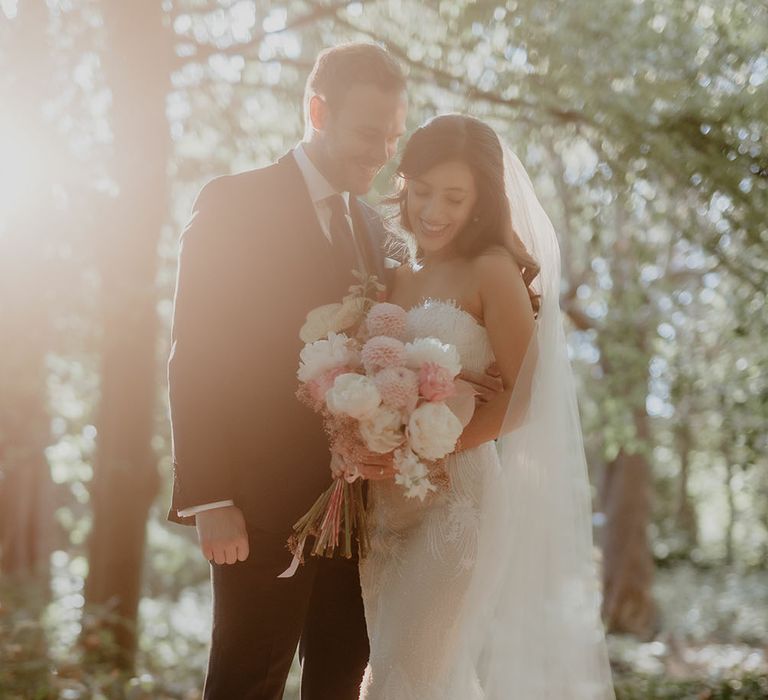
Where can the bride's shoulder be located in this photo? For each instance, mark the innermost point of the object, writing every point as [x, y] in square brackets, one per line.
[494, 261]
[496, 272]
[495, 251]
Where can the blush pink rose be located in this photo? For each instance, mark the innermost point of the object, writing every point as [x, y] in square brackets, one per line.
[435, 382]
[318, 387]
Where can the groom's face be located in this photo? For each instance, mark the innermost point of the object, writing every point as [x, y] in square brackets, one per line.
[359, 135]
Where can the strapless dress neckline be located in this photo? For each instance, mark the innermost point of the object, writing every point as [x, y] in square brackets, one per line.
[450, 303]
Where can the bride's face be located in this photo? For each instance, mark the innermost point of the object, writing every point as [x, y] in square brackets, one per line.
[439, 204]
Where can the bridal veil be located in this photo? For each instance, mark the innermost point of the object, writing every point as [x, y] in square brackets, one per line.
[532, 627]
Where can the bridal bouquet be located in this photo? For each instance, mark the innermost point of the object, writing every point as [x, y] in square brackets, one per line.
[376, 393]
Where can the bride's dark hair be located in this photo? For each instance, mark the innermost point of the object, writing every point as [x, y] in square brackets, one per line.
[466, 139]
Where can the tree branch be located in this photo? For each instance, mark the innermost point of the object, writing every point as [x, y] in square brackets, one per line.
[449, 81]
[578, 317]
[251, 49]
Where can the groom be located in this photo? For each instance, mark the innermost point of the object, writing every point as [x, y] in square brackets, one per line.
[261, 249]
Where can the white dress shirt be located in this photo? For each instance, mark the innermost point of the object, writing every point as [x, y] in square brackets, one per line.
[319, 190]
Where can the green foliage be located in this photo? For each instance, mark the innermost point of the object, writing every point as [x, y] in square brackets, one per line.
[24, 663]
[650, 688]
[32, 669]
[712, 617]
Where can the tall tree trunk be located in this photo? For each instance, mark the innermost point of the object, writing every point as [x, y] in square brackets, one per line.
[628, 571]
[685, 515]
[729, 459]
[627, 563]
[25, 327]
[730, 525]
[125, 476]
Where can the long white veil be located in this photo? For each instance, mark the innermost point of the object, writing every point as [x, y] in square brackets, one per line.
[534, 605]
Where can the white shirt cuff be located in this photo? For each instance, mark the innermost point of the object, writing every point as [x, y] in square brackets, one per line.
[194, 510]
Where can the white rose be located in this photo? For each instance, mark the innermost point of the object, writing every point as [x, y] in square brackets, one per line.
[433, 430]
[353, 395]
[382, 430]
[424, 350]
[323, 355]
[320, 322]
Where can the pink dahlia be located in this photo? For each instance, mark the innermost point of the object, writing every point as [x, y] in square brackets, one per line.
[399, 387]
[387, 319]
[380, 352]
[435, 382]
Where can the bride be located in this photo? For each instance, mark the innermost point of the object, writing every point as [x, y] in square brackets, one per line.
[486, 589]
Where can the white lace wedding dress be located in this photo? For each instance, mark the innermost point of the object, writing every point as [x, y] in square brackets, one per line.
[416, 578]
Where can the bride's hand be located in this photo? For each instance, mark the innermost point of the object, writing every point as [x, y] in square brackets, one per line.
[378, 467]
[487, 384]
[375, 466]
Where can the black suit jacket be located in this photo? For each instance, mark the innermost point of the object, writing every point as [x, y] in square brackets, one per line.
[253, 262]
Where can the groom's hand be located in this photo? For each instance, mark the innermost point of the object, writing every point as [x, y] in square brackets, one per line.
[222, 534]
[487, 384]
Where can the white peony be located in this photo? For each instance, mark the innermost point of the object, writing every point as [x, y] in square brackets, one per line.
[433, 430]
[424, 350]
[382, 430]
[353, 395]
[322, 355]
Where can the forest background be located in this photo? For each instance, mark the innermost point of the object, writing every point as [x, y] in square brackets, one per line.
[644, 126]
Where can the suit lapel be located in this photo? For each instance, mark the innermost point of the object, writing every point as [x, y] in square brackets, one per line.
[303, 221]
[311, 250]
[371, 235]
[366, 227]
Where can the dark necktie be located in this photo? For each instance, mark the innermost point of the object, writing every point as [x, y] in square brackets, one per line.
[341, 237]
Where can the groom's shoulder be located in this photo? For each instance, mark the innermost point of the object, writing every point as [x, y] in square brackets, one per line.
[237, 190]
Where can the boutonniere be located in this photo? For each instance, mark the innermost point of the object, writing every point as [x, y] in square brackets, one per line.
[347, 315]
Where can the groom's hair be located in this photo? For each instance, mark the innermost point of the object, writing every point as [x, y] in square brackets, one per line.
[340, 67]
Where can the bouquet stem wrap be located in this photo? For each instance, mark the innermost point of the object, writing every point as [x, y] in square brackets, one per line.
[335, 520]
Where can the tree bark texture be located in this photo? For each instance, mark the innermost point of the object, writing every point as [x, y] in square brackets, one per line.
[137, 63]
[25, 323]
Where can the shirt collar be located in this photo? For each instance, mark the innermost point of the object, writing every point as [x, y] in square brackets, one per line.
[317, 184]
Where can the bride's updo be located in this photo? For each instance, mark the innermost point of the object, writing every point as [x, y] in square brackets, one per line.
[459, 137]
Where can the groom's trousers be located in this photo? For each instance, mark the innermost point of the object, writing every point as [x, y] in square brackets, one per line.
[258, 620]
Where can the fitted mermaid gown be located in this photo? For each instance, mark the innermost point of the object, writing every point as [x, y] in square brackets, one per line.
[416, 577]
